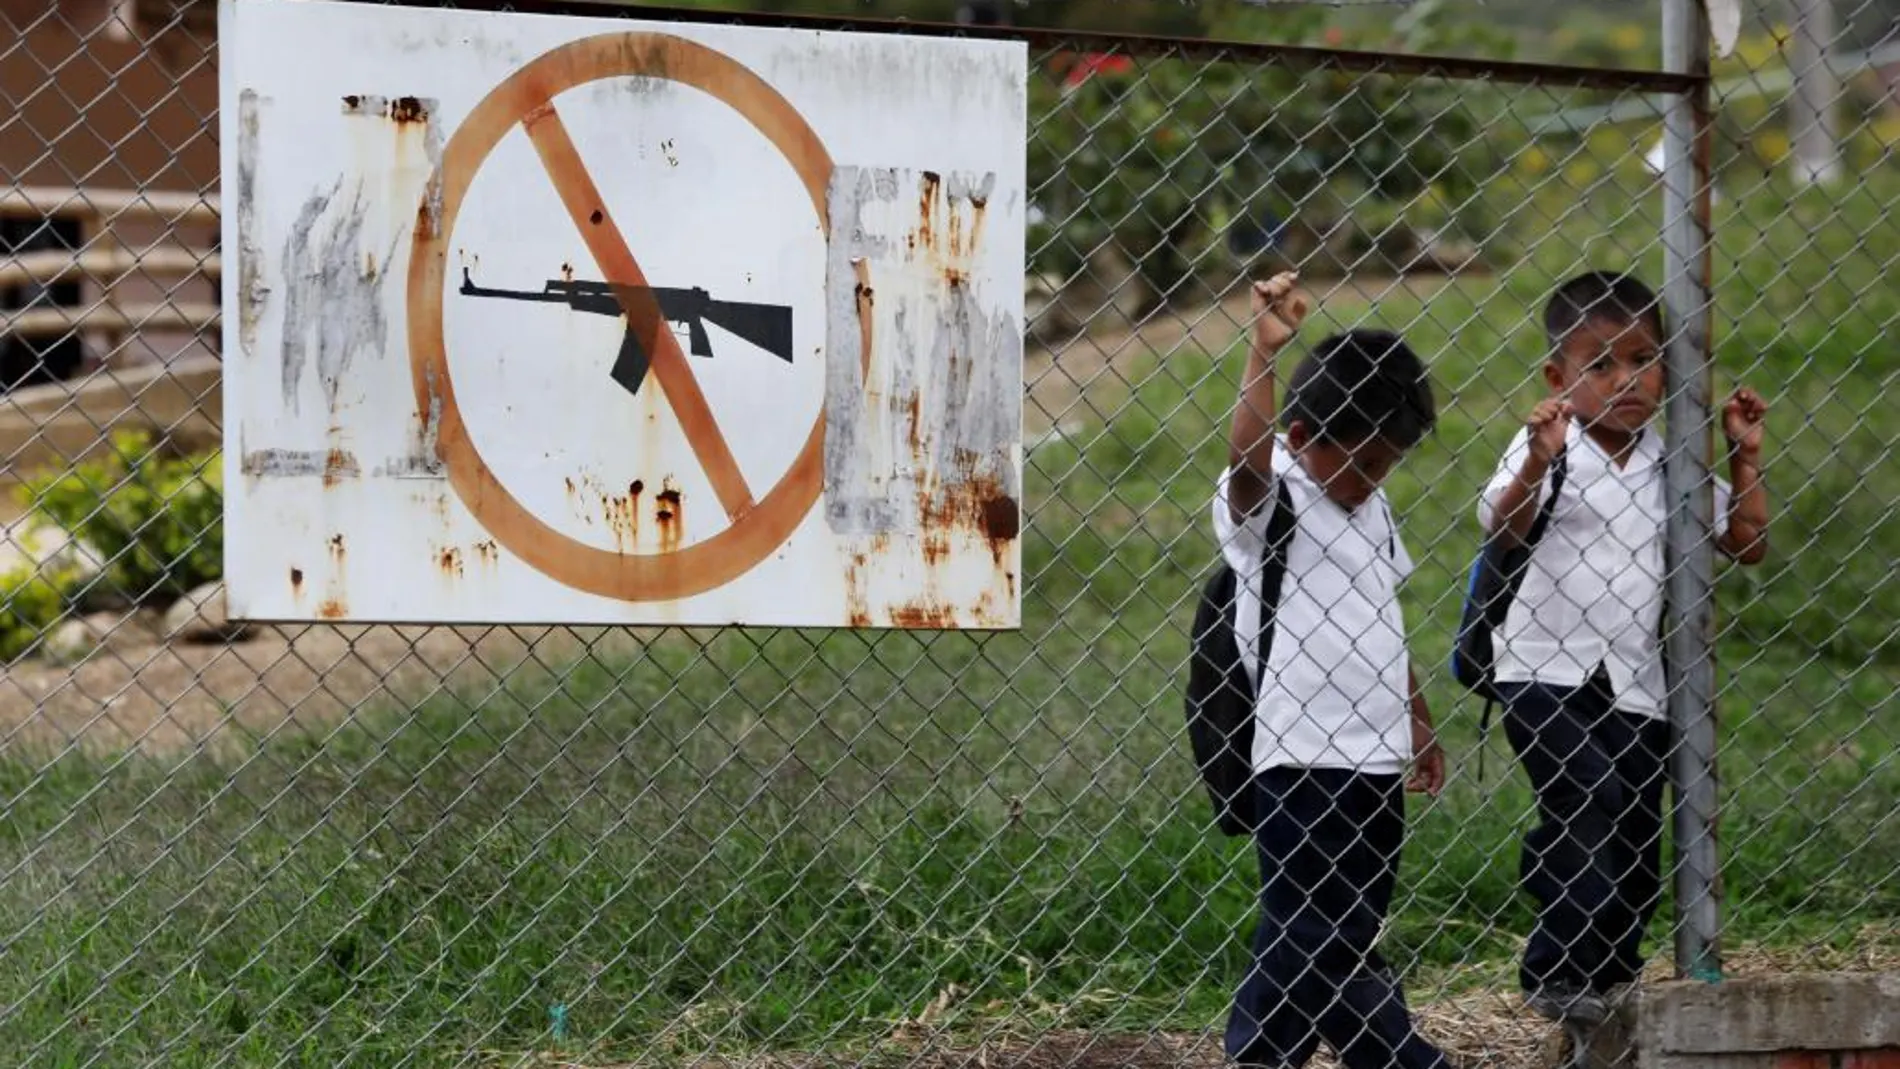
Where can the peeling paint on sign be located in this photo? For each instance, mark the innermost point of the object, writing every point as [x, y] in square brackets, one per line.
[335, 267]
[334, 303]
[396, 167]
[922, 450]
[945, 379]
[422, 461]
[331, 464]
[250, 253]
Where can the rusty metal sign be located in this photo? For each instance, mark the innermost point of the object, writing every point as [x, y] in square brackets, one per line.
[556, 320]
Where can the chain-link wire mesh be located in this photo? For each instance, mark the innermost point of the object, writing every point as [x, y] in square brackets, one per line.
[1806, 747]
[248, 845]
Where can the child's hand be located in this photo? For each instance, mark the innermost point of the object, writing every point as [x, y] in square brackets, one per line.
[1549, 422]
[1428, 760]
[1743, 420]
[1278, 311]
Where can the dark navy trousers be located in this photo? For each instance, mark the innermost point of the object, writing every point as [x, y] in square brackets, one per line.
[1329, 846]
[1593, 863]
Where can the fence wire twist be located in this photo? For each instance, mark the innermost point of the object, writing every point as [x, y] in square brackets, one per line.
[246, 845]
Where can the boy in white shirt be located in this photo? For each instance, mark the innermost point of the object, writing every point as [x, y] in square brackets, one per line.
[1338, 714]
[1579, 657]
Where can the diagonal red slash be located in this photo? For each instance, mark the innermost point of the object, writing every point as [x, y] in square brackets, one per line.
[609, 248]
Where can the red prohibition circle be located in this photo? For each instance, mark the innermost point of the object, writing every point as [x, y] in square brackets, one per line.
[526, 99]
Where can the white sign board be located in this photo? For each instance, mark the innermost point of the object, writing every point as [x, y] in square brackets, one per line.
[540, 319]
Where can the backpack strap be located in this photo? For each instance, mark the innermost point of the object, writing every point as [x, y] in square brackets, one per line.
[1272, 574]
[1391, 530]
[1558, 466]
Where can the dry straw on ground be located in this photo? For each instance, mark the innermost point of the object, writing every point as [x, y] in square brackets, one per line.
[1481, 1029]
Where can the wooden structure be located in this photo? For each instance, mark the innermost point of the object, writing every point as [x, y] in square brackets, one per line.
[109, 264]
[109, 225]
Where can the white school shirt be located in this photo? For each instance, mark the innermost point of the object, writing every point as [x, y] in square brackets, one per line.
[1592, 592]
[1335, 693]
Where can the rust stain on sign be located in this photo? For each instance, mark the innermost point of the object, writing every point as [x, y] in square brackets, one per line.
[979, 505]
[936, 546]
[866, 302]
[669, 512]
[417, 137]
[335, 605]
[857, 580]
[923, 615]
[926, 206]
[622, 513]
[449, 561]
[923, 446]
[409, 110]
[338, 464]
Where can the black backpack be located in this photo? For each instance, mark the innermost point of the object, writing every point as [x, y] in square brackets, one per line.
[1220, 694]
[1495, 577]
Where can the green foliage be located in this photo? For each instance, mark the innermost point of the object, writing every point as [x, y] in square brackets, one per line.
[154, 518]
[1161, 156]
[32, 600]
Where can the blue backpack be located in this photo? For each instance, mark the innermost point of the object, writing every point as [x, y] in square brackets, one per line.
[1495, 577]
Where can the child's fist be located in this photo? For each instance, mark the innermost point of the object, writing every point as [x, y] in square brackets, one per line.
[1549, 422]
[1742, 420]
[1278, 310]
[1428, 762]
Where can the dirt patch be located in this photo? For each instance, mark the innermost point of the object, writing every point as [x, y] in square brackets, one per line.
[139, 694]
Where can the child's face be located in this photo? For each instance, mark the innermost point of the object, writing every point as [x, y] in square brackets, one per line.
[1349, 472]
[1611, 371]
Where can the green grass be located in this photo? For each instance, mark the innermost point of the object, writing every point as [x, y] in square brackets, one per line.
[800, 839]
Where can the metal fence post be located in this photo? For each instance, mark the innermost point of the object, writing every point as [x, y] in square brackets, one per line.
[1817, 150]
[1689, 553]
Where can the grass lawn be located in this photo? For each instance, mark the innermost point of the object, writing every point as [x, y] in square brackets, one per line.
[792, 840]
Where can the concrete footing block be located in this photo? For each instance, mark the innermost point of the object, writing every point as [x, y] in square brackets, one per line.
[1795, 1021]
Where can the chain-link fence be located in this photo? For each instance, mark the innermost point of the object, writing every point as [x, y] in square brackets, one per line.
[230, 844]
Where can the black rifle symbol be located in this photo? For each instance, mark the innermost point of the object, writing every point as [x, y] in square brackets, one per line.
[768, 326]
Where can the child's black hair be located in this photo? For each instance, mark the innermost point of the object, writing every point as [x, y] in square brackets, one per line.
[1362, 384]
[1599, 295]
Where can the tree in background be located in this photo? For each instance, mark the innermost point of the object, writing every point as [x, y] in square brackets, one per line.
[1180, 166]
